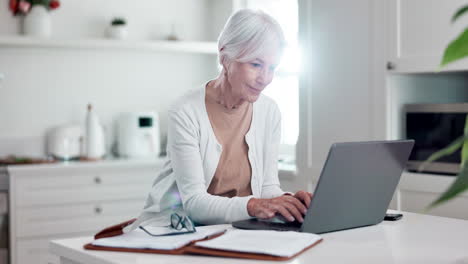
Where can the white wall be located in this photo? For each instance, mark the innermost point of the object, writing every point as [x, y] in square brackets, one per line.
[341, 81]
[46, 87]
[147, 19]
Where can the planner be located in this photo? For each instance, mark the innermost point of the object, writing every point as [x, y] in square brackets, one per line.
[215, 240]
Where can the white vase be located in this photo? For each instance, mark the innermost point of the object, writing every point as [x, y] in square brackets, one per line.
[37, 22]
[117, 32]
[95, 148]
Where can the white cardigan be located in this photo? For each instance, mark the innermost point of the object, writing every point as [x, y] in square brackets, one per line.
[193, 154]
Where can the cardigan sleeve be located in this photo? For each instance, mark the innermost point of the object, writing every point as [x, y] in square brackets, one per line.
[184, 152]
[271, 185]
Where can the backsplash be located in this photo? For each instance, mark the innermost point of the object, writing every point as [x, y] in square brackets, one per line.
[44, 88]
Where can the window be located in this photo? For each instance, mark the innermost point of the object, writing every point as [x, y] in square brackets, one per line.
[285, 86]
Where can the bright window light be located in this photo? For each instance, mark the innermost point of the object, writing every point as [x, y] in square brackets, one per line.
[285, 86]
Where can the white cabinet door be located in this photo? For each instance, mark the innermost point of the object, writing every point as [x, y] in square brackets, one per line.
[56, 187]
[67, 218]
[419, 31]
[63, 201]
[417, 191]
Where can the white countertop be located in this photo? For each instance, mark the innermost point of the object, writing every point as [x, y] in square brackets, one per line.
[414, 239]
[89, 164]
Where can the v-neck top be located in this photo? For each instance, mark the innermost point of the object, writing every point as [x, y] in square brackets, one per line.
[230, 126]
[193, 155]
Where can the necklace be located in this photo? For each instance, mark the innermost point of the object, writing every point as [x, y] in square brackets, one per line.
[225, 107]
[218, 95]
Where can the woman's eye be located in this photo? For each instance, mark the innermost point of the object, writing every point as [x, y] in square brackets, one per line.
[256, 65]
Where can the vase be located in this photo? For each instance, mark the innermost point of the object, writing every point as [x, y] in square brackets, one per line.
[117, 32]
[37, 22]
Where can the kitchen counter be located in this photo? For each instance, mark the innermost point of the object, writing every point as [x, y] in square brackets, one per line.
[416, 238]
[107, 163]
[64, 199]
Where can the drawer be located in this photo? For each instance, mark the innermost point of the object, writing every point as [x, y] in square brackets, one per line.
[37, 250]
[76, 187]
[89, 217]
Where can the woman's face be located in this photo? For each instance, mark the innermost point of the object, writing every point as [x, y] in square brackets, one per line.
[248, 79]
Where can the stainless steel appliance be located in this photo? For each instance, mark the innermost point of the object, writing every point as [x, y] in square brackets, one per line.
[433, 127]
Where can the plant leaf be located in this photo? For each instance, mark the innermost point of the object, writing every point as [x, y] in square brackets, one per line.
[458, 186]
[450, 149]
[457, 49]
[459, 13]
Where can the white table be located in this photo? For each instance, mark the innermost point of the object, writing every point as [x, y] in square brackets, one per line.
[414, 239]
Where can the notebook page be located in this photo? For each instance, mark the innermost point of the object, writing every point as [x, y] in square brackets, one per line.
[275, 243]
[140, 239]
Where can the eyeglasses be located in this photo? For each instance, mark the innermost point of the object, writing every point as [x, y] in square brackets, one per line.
[178, 223]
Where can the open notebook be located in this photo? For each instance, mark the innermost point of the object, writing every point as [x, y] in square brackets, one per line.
[216, 240]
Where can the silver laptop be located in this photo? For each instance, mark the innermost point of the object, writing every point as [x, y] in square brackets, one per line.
[354, 190]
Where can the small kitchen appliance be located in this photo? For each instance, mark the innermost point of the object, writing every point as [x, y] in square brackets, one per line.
[138, 135]
[65, 142]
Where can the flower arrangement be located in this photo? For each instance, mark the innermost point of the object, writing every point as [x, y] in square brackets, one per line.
[22, 7]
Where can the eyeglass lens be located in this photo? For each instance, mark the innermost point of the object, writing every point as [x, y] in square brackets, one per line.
[178, 222]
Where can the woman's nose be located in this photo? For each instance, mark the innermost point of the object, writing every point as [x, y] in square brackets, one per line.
[264, 77]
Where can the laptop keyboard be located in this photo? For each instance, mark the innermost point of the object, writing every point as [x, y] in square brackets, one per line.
[289, 226]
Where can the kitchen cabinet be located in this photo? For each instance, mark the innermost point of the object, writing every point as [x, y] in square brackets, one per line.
[348, 94]
[418, 190]
[419, 31]
[72, 199]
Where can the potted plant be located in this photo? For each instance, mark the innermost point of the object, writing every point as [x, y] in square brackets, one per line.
[456, 50]
[117, 28]
[36, 21]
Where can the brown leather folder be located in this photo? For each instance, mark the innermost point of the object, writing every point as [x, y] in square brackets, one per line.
[188, 249]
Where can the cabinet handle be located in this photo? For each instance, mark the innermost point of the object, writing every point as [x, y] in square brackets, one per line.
[390, 65]
[97, 209]
[97, 180]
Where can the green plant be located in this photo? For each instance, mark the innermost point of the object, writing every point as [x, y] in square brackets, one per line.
[118, 21]
[456, 50]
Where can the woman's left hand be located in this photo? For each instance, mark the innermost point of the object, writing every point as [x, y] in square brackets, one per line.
[304, 197]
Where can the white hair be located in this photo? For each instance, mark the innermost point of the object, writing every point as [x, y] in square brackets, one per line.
[247, 35]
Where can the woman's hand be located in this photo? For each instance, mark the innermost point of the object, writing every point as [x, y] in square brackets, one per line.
[304, 197]
[288, 206]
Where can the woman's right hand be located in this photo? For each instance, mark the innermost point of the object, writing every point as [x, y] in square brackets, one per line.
[286, 205]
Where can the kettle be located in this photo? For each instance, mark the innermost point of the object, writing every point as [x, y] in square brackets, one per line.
[138, 135]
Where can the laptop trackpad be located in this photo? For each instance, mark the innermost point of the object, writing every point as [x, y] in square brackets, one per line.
[267, 225]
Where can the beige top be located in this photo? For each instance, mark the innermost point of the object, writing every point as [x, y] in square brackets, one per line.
[233, 174]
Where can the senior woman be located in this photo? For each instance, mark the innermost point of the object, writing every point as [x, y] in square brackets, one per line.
[223, 138]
